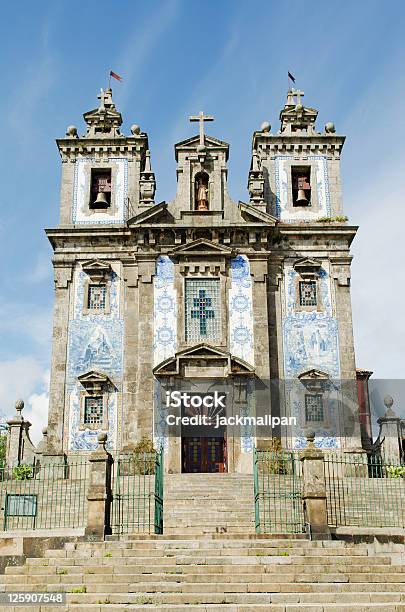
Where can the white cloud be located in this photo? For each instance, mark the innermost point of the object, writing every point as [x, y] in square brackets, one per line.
[30, 320]
[378, 288]
[18, 380]
[41, 270]
[24, 378]
[36, 410]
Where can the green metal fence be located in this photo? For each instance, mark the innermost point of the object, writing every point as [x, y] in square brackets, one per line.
[44, 496]
[364, 491]
[278, 492]
[137, 487]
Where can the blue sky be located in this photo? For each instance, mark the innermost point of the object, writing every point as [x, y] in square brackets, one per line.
[229, 58]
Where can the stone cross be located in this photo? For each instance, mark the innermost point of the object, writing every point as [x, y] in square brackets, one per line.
[201, 118]
[104, 97]
[298, 93]
[291, 94]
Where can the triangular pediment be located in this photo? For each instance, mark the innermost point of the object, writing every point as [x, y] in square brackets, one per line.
[97, 269]
[307, 262]
[313, 374]
[209, 141]
[193, 143]
[153, 214]
[202, 357]
[94, 381]
[251, 213]
[96, 264]
[202, 350]
[205, 247]
[307, 267]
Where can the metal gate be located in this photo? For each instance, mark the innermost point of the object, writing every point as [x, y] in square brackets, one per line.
[278, 492]
[137, 488]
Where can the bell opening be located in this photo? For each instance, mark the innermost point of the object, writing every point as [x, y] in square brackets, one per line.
[100, 192]
[301, 186]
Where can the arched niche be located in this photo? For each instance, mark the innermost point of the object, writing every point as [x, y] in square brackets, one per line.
[201, 191]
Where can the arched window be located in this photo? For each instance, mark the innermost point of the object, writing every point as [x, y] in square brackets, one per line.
[201, 191]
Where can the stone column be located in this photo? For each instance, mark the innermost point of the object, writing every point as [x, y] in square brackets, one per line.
[131, 349]
[15, 428]
[390, 432]
[314, 490]
[99, 494]
[19, 446]
[63, 277]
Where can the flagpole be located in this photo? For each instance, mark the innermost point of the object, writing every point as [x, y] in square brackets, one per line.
[109, 81]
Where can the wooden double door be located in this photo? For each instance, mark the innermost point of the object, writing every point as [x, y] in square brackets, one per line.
[204, 454]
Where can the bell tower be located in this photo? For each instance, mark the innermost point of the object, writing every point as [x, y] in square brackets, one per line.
[295, 176]
[201, 175]
[106, 179]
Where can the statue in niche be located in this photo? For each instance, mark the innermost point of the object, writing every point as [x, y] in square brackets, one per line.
[201, 191]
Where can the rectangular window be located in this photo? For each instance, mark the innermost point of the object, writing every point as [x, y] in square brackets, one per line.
[313, 408]
[308, 293]
[100, 192]
[97, 297]
[301, 185]
[93, 410]
[202, 310]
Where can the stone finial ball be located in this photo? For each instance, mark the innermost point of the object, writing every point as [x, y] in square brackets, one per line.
[135, 129]
[102, 437]
[388, 401]
[310, 435]
[71, 130]
[200, 148]
[299, 107]
[19, 405]
[265, 127]
[330, 128]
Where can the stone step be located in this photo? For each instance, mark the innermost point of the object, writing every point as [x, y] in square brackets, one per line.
[100, 607]
[375, 589]
[273, 555]
[176, 598]
[279, 574]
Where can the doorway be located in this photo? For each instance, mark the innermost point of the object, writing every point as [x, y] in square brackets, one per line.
[203, 454]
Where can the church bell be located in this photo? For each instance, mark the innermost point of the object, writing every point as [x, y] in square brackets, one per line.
[101, 201]
[301, 197]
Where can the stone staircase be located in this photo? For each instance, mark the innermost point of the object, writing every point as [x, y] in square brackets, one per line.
[210, 572]
[208, 503]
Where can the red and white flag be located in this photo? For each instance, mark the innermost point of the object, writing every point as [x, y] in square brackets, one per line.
[115, 75]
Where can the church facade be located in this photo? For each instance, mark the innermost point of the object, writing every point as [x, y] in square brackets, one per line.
[202, 292]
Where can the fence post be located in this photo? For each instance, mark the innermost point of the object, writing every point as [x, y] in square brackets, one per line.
[99, 495]
[314, 490]
[19, 446]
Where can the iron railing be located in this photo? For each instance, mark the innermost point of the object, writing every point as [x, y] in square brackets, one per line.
[44, 496]
[137, 488]
[278, 492]
[364, 491]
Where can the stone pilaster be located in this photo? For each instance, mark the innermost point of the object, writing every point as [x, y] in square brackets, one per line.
[63, 278]
[131, 349]
[351, 424]
[99, 494]
[142, 400]
[314, 490]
